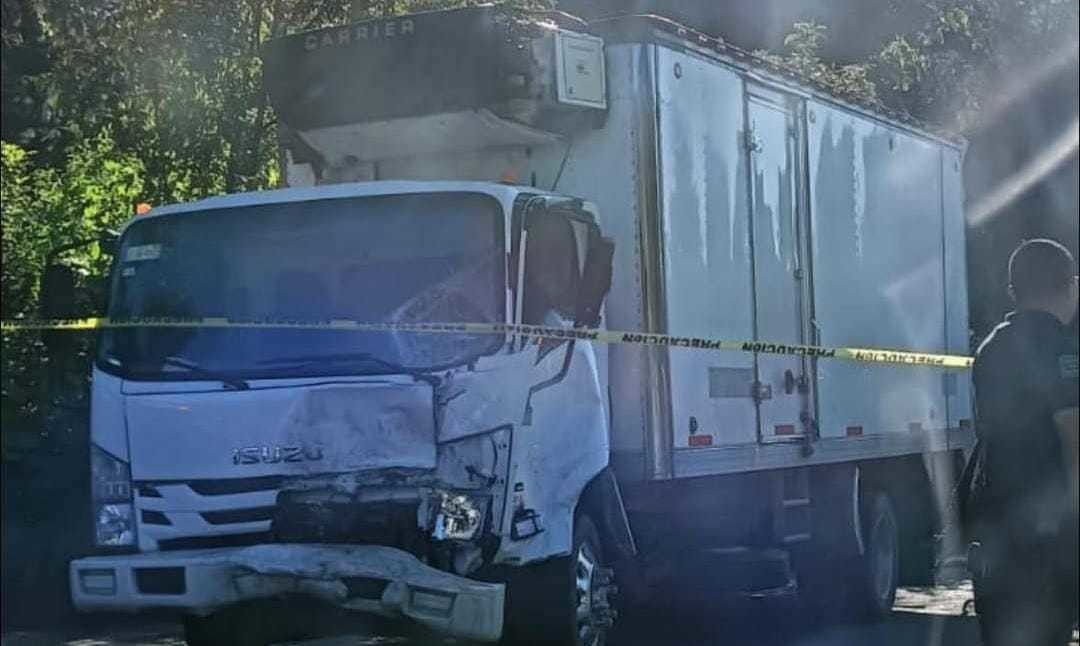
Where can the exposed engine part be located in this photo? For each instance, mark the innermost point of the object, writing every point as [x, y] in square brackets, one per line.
[453, 516]
[308, 518]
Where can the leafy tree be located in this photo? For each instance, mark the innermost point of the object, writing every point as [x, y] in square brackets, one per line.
[42, 208]
[950, 69]
[26, 111]
[181, 84]
[947, 70]
[180, 81]
[45, 207]
[802, 58]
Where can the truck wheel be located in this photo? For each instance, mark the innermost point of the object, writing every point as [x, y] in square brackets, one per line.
[564, 601]
[879, 566]
[848, 586]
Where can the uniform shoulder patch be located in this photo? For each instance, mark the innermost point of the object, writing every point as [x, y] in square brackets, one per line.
[1069, 366]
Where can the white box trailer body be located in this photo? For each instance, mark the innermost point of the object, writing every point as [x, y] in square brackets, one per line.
[744, 207]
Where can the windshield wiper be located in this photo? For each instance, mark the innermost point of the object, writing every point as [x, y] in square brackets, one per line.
[338, 358]
[232, 382]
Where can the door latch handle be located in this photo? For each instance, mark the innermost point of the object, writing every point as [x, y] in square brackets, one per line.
[789, 382]
[804, 384]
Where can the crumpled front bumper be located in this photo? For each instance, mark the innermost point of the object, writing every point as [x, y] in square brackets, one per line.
[367, 578]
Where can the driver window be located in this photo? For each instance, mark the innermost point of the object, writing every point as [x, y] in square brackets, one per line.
[551, 271]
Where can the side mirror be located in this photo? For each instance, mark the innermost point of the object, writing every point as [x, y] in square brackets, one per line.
[57, 291]
[595, 281]
[107, 242]
[57, 300]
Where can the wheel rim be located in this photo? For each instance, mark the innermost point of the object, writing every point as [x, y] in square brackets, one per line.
[585, 566]
[883, 559]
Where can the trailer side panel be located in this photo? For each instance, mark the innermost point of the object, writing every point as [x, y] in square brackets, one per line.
[878, 263]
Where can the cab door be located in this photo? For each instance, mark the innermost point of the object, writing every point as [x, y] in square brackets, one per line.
[783, 385]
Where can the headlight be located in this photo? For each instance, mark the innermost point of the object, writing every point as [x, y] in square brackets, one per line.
[114, 525]
[114, 515]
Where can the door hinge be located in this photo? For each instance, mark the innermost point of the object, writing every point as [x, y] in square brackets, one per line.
[811, 431]
[761, 391]
[752, 143]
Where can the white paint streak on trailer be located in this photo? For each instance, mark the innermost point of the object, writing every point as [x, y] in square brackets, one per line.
[858, 183]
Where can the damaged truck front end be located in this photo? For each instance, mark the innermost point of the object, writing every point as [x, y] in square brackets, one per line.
[429, 530]
[389, 520]
[398, 474]
[401, 542]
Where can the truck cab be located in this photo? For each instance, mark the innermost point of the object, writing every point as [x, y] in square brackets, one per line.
[212, 442]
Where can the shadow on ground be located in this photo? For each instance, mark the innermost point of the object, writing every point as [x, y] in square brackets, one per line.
[922, 617]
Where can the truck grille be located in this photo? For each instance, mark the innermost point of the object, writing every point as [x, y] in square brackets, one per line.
[232, 486]
[233, 516]
[208, 542]
[200, 514]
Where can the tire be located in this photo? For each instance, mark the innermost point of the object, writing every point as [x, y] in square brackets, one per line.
[852, 587]
[919, 544]
[563, 601]
[878, 569]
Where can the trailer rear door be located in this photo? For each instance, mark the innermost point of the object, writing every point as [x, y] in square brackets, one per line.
[783, 387]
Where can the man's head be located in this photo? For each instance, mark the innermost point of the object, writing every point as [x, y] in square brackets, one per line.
[1042, 276]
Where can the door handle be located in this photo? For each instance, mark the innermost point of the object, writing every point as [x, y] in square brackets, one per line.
[789, 382]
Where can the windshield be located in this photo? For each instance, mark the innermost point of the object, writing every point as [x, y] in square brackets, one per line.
[404, 258]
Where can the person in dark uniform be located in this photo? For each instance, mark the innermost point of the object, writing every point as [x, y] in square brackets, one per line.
[1024, 498]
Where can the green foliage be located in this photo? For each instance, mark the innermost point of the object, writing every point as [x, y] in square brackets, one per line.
[968, 53]
[180, 83]
[802, 57]
[383, 8]
[45, 207]
[965, 54]
[904, 64]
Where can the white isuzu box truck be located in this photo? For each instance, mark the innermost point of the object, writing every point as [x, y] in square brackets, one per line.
[483, 167]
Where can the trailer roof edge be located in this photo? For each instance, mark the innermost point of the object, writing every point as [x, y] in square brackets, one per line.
[659, 29]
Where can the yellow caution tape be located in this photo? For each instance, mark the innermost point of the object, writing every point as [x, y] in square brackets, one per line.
[867, 355]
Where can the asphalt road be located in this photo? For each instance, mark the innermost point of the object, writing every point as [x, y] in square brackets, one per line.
[921, 617]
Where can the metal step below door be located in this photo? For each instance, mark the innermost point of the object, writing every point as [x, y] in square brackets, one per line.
[793, 508]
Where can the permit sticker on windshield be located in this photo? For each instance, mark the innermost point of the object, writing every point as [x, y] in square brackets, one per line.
[142, 252]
